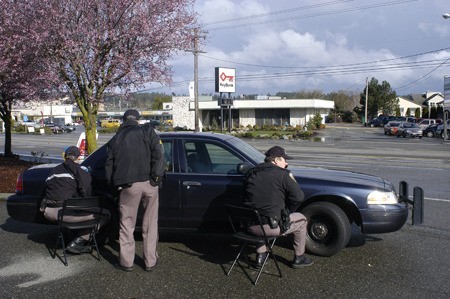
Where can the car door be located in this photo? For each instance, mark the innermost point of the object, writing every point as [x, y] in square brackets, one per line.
[169, 193]
[208, 180]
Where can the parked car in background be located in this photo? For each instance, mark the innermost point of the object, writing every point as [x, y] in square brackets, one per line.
[440, 129]
[391, 127]
[409, 130]
[110, 123]
[378, 121]
[56, 129]
[205, 171]
[430, 131]
[424, 123]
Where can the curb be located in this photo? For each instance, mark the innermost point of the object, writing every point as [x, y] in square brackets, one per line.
[4, 196]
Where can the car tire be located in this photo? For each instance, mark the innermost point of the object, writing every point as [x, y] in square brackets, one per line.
[372, 125]
[398, 135]
[430, 134]
[328, 230]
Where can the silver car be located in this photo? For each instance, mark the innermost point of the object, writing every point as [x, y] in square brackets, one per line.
[409, 129]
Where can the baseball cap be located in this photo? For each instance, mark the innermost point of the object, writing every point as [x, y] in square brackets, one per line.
[131, 114]
[72, 151]
[277, 151]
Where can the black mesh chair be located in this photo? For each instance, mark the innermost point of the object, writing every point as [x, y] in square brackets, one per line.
[240, 218]
[72, 206]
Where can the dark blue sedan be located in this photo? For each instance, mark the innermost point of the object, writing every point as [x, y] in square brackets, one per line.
[204, 171]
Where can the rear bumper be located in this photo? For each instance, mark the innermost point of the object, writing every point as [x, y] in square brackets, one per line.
[24, 208]
[377, 219]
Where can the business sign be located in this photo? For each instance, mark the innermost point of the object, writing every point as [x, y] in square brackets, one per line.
[225, 79]
[447, 92]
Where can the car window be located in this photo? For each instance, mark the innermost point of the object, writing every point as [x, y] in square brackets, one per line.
[206, 157]
[168, 157]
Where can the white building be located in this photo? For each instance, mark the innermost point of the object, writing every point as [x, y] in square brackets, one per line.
[275, 112]
[39, 111]
[404, 105]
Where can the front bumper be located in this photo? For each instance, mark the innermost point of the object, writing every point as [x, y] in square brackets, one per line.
[389, 218]
[377, 219]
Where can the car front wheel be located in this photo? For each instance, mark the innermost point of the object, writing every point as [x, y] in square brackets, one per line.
[328, 230]
[430, 134]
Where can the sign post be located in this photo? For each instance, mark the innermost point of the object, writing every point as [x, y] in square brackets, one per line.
[225, 83]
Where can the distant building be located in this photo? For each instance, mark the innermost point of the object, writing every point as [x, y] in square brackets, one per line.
[405, 104]
[260, 112]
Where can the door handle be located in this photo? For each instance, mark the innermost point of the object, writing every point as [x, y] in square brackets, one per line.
[190, 184]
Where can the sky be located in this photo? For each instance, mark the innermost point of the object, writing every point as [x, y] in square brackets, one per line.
[326, 45]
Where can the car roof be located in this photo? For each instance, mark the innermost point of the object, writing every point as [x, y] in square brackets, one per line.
[194, 135]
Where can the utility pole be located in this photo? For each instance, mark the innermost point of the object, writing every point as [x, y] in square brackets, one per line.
[197, 127]
[365, 106]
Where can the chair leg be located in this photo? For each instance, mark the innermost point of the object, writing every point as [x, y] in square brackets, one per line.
[265, 261]
[237, 258]
[54, 253]
[93, 238]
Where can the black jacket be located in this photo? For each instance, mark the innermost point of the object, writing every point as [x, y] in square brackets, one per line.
[269, 189]
[66, 180]
[135, 154]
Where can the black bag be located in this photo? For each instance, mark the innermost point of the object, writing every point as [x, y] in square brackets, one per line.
[273, 222]
[285, 222]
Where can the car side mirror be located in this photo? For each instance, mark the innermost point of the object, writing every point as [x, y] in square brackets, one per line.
[243, 167]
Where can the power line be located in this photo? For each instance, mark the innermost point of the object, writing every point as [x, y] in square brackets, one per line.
[317, 67]
[290, 10]
[313, 15]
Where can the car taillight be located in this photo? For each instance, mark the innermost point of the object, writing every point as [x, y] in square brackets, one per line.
[19, 184]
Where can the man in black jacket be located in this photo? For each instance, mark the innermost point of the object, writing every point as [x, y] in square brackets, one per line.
[135, 166]
[69, 180]
[270, 189]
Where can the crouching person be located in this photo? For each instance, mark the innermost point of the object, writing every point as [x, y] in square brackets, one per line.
[273, 191]
[69, 180]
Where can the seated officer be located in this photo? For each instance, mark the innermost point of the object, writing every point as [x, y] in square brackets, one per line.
[69, 180]
[270, 189]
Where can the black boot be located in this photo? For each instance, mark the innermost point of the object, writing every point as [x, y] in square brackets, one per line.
[78, 245]
[260, 258]
[301, 261]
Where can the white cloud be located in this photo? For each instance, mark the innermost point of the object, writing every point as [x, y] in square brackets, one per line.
[352, 38]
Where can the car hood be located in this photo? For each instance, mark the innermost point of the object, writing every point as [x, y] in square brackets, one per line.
[342, 177]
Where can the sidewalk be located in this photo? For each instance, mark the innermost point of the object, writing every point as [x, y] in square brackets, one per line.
[3, 196]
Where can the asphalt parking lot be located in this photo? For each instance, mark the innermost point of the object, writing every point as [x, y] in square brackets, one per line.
[410, 263]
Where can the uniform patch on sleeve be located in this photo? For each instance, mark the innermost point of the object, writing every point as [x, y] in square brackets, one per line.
[292, 176]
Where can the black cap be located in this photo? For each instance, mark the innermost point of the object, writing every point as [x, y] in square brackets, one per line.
[277, 151]
[72, 151]
[131, 114]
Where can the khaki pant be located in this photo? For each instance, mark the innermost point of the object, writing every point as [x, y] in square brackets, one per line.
[52, 214]
[298, 228]
[130, 198]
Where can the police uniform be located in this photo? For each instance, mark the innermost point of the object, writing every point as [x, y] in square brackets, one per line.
[69, 180]
[270, 189]
[135, 166]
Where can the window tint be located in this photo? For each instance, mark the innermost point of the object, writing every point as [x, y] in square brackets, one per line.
[207, 157]
[168, 157]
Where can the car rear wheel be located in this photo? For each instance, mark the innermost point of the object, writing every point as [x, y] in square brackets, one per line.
[430, 134]
[328, 230]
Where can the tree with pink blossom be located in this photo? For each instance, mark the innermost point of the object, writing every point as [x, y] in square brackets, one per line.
[98, 46]
[23, 72]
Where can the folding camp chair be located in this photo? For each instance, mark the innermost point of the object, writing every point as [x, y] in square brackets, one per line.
[240, 218]
[72, 206]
